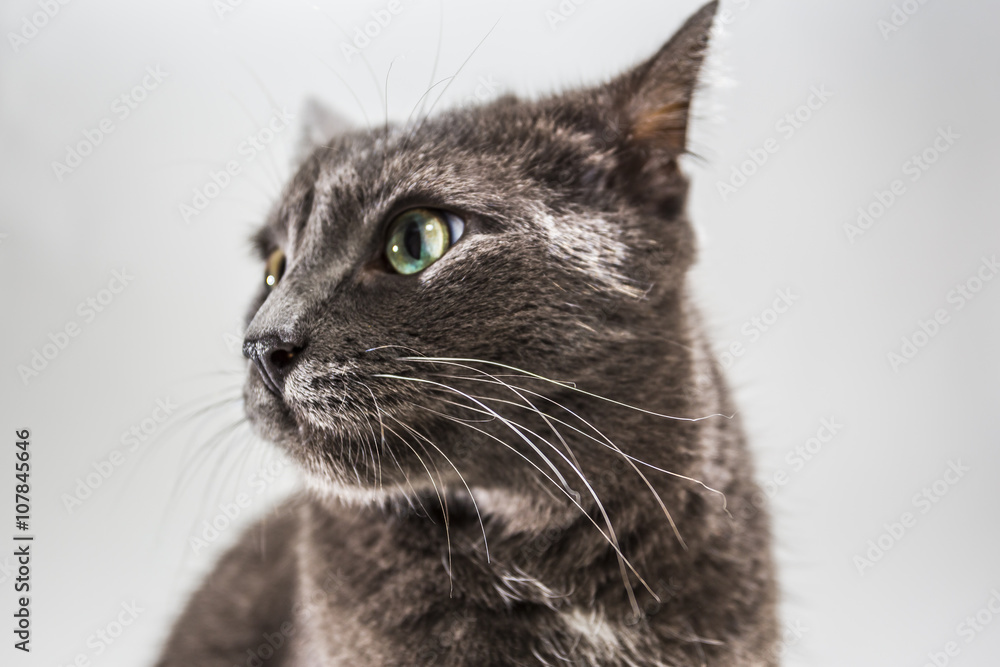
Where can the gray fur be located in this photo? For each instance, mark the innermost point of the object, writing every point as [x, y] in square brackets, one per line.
[573, 268]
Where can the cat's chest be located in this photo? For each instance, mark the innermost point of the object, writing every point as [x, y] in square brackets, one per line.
[375, 593]
[381, 592]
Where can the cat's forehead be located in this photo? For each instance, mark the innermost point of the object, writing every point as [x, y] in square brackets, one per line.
[491, 151]
[492, 162]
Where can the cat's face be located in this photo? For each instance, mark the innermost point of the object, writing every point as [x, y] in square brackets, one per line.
[537, 236]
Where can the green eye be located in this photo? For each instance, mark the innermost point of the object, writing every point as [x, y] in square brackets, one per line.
[419, 237]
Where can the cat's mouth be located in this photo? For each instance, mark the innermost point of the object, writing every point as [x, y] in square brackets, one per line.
[359, 424]
[386, 422]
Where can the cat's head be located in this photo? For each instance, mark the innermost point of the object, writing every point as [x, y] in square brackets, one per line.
[418, 275]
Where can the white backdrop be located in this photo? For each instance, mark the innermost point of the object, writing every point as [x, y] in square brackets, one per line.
[888, 107]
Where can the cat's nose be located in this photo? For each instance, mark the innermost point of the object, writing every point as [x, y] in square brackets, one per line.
[274, 357]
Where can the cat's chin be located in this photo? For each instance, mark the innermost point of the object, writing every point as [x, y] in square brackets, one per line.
[341, 493]
[510, 512]
[335, 456]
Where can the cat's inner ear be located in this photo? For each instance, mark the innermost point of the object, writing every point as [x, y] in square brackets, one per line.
[319, 125]
[654, 99]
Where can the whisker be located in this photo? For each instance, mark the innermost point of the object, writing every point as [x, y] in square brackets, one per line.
[381, 425]
[629, 459]
[502, 419]
[193, 466]
[350, 90]
[613, 540]
[386, 96]
[224, 452]
[513, 389]
[442, 498]
[562, 384]
[455, 76]
[171, 425]
[460, 476]
[372, 446]
[437, 59]
[659, 500]
[606, 442]
[414, 496]
[584, 512]
[364, 59]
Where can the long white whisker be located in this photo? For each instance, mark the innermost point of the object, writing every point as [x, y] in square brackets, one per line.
[606, 440]
[455, 76]
[378, 413]
[614, 448]
[584, 512]
[439, 492]
[501, 418]
[586, 483]
[482, 526]
[659, 500]
[562, 384]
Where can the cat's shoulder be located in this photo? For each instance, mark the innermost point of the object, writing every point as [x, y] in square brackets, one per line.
[250, 588]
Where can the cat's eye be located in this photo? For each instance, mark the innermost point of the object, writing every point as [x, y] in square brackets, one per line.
[419, 237]
[275, 268]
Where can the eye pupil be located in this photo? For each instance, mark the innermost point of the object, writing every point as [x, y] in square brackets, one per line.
[419, 237]
[413, 241]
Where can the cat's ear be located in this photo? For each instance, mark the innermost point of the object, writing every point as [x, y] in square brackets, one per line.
[319, 125]
[652, 101]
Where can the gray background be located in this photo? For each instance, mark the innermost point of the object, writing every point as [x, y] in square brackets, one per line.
[169, 334]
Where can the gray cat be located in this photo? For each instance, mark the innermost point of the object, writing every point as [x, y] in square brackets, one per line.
[476, 339]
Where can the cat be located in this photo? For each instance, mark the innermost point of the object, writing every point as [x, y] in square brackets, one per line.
[476, 339]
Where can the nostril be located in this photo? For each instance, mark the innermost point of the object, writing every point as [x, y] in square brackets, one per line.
[274, 358]
[283, 358]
